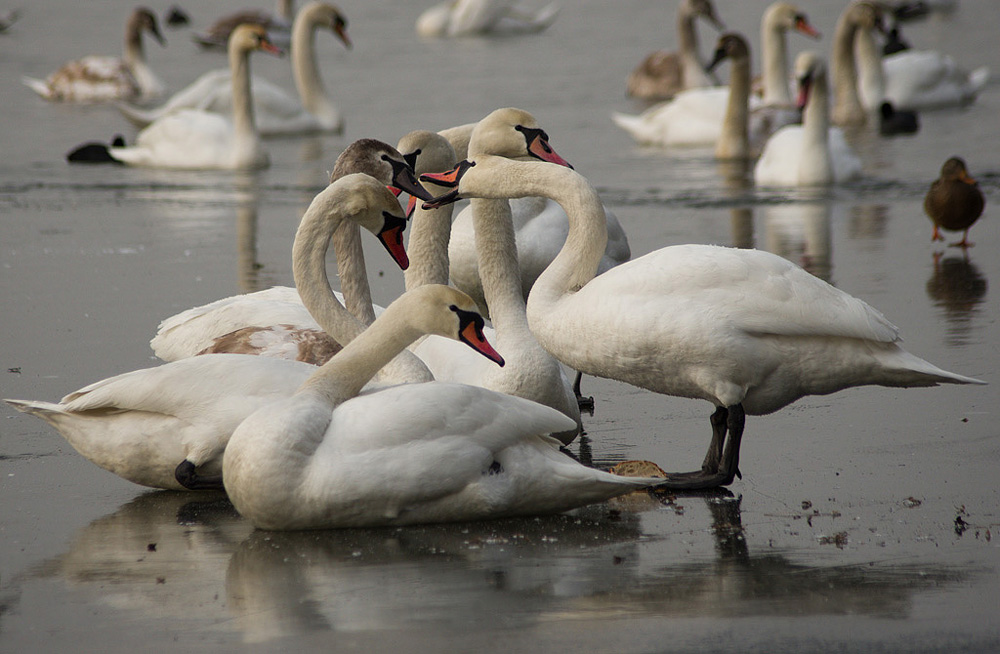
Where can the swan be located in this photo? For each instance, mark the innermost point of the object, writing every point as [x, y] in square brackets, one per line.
[274, 322]
[192, 139]
[7, 18]
[167, 426]
[540, 228]
[533, 373]
[744, 329]
[455, 18]
[696, 117]
[664, 73]
[277, 25]
[328, 457]
[276, 111]
[102, 79]
[811, 153]
[954, 201]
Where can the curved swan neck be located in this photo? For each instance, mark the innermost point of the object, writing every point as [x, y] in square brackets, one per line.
[496, 247]
[239, 67]
[687, 46]
[871, 77]
[353, 273]
[428, 247]
[775, 56]
[343, 376]
[309, 266]
[304, 66]
[847, 104]
[734, 140]
[132, 52]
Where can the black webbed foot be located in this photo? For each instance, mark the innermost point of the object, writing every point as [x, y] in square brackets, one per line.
[188, 477]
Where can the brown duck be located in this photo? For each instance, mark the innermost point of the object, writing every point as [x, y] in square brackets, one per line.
[954, 201]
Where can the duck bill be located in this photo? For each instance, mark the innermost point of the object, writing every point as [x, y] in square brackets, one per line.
[472, 335]
[967, 178]
[391, 237]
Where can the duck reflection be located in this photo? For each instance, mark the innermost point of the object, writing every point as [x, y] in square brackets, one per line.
[957, 288]
[800, 232]
[165, 555]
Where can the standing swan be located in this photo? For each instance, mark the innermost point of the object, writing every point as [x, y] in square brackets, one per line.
[194, 139]
[744, 329]
[102, 79]
[167, 426]
[436, 452]
[812, 153]
[276, 111]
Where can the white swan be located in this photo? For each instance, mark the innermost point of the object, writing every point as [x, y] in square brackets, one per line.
[532, 372]
[418, 453]
[276, 112]
[167, 426]
[744, 329]
[193, 139]
[102, 79]
[697, 116]
[811, 153]
[277, 25]
[455, 18]
[274, 322]
[665, 73]
[540, 228]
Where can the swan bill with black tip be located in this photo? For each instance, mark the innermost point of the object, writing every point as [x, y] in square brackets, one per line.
[538, 145]
[391, 236]
[470, 332]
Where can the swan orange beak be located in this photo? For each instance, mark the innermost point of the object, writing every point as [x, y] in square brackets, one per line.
[471, 333]
[803, 98]
[802, 25]
[448, 179]
[411, 206]
[391, 236]
[270, 48]
[340, 29]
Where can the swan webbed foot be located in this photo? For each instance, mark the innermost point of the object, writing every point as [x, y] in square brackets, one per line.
[188, 477]
[585, 403]
[722, 462]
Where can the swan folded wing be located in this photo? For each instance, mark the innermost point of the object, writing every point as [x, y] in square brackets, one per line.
[398, 444]
[185, 139]
[93, 78]
[751, 290]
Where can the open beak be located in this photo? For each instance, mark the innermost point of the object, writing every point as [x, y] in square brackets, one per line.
[448, 179]
[391, 236]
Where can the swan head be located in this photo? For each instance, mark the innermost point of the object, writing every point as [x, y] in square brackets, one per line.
[704, 9]
[866, 15]
[810, 70]
[248, 37]
[731, 46]
[786, 16]
[368, 202]
[322, 14]
[448, 312]
[144, 20]
[512, 133]
[425, 152]
[381, 161]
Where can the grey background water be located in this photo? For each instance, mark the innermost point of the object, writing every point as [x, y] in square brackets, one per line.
[841, 536]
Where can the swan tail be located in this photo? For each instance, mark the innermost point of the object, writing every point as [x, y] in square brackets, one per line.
[137, 116]
[632, 124]
[95, 152]
[979, 77]
[905, 369]
[44, 410]
[39, 86]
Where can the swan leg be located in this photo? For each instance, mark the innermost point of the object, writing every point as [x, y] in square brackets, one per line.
[722, 462]
[585, 403]
[187, 476]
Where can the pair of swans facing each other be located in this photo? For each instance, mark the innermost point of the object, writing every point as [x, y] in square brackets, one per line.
[744, 329]
[276, 112]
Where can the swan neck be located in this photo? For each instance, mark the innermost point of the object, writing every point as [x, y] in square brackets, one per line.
[847, 104]
[496, 247]
[132, 52]
[734, 139]
[871, 77]
[305, 68]
[312, 240]
[687, 35]
[428, 247]
[239, 66]
[775, 57]
[816, 115]
[343, 376]
[352, 271]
